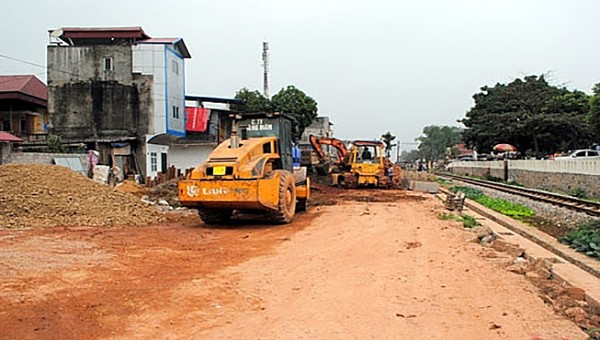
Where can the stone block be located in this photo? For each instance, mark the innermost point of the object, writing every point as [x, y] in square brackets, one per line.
[421, 186]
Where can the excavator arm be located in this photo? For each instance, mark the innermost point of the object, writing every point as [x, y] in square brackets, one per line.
[339, 146]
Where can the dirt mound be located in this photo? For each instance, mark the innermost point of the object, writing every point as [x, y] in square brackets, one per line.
[41, 195]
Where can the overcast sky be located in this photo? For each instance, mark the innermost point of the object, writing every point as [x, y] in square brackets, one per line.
[372, 66]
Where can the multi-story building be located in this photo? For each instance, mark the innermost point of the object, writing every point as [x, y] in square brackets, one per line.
[115, 89]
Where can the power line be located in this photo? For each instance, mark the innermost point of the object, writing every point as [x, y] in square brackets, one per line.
[37, 65]
[158, 95]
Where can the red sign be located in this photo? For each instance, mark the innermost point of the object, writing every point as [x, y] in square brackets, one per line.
[196, 119]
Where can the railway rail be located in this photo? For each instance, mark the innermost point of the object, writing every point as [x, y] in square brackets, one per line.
[588, 207]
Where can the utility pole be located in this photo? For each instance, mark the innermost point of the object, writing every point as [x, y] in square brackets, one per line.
[265, 58]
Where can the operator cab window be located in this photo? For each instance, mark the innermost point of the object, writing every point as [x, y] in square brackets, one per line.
[365, 154]
[267, 148]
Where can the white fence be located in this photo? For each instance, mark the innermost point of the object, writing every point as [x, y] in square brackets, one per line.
[576, 166]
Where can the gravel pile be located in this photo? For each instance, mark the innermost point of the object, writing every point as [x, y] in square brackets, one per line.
[41, 195]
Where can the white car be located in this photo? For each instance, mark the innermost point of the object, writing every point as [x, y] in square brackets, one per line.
[580, 154]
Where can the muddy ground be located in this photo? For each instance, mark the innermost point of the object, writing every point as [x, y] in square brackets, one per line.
[359, 264]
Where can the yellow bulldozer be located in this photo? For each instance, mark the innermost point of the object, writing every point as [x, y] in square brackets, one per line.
[252, 172]
[364, 164]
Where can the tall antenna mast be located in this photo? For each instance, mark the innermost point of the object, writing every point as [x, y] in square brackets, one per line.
[265, 58]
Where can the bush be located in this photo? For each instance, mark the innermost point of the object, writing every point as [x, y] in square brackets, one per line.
[579, 193]
[585, 238]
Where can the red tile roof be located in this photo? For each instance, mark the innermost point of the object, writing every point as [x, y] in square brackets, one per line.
[7, 137]
[25, 87]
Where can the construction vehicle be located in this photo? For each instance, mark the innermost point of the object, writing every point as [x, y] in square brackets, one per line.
[251, 172]
[363, 164]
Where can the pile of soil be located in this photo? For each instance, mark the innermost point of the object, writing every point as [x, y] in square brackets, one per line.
[42, 195]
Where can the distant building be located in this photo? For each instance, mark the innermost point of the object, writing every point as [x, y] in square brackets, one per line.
[114, 89]
[23, 108]
[320, 127]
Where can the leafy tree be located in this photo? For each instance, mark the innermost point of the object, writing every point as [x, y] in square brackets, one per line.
[531, 114]
[297, 104]
[410, 156]
[435, 140]
[289, 100]
[254, 101]
[388, 138]
[593, 117]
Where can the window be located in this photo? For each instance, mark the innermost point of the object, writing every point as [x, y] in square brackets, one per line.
[175, 67]
[153, 161]
[108, 64]
[175, 112]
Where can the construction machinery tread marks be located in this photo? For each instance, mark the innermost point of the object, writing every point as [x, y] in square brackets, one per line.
[287, 197]
[215, 216]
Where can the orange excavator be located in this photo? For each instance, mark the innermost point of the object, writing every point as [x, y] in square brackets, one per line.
[339, 146]
[363, 164]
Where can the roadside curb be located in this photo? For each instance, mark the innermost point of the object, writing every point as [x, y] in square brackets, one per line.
[566, 265]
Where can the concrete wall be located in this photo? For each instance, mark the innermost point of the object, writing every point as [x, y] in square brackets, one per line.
[185, 157]
[561, 176]
[4, 152]
[102, 109]
[320, 127]
[70, 64]
[45, 158]
[86, 101]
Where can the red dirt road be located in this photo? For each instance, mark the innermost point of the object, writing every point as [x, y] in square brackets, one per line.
[367, 267]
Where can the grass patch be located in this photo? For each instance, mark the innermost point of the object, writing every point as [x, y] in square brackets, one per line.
[470, 222]
[467, 221]
[443, 181]
[506, 207]
[447, 217]
[514, 183]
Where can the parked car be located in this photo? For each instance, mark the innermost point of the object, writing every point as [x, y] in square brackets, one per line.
[580, 154]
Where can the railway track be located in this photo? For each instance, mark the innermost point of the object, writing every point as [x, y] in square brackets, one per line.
[588, 207]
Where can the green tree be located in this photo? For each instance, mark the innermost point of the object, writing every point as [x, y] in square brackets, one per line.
[254, 101]
[531, 114]
[297, 104]
[410, 156]
[289, 100]
[388, 138]
[593, 117]
[435, 140]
